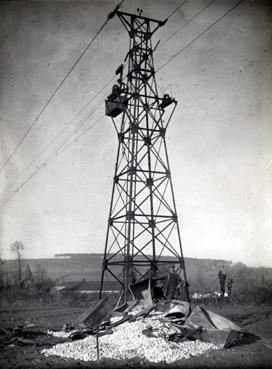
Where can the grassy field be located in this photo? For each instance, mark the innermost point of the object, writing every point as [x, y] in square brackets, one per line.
[202, 273]
[250, 307]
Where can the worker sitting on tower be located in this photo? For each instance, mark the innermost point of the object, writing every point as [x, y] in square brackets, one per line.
[120, 71]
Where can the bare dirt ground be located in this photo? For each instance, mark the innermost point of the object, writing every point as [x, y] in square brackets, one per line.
[254, 319]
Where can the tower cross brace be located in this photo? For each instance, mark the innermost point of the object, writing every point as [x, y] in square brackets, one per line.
[143, 234]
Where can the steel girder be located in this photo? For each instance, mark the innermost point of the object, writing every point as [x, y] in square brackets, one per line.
[143, 231]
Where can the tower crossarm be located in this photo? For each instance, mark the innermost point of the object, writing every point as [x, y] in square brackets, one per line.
[143, 230]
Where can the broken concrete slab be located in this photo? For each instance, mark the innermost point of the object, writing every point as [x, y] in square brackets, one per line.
[27, 333]
[178, 309]
[216, 329]
[186, 333]
[131, 306]
[23, 341]
[142, 291]
[79, 334]
[94, 315]
[233, 339]
[125, 308]
[226, 338]
[119, 311]
[144, 312]
[201, 317]
[114, 319]
[221, 322]
[120, 321]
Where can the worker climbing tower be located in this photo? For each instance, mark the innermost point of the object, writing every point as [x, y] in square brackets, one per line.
[143, 233]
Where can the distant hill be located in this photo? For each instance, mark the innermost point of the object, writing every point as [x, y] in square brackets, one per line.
[202, 273]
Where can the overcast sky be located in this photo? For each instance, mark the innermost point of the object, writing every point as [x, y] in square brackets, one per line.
[219, 140]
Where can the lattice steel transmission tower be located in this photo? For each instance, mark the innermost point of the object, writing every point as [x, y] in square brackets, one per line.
[143, 232]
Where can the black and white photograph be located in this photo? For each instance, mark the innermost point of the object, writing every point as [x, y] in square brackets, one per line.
[135, 184]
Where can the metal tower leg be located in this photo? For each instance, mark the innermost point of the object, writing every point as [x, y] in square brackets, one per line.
[143, 235]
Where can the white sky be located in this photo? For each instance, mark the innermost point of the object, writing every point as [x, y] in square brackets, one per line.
[219, 140]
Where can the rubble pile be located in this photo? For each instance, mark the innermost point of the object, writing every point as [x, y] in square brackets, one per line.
[147, 329]
[128, 341]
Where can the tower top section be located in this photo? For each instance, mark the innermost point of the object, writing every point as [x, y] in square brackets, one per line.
[136, 83]
[134, 23]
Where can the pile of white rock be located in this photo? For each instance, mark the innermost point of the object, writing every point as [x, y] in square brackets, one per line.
[127, 342]
[60, 334]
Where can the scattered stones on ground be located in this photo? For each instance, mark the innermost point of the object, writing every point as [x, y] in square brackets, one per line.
[128, 342]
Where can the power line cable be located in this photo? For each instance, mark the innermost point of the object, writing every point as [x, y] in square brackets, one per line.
[46, 162]
[80, 135]
[186, 23]
[178, 8]
[60, 132]
[198, 36]
[162, 66]
[89, 102]
[82, 123]
[169, 16]
[110, 15]
[50, 143]
[81, 110]
[67, 125]
[59, 151]
[183, 26]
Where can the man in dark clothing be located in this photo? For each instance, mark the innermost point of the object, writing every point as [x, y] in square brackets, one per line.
[222, 281]
[173, 284]
[229, 285]
[168, 285]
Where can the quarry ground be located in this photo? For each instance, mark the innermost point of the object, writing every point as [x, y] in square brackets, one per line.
[254, 319]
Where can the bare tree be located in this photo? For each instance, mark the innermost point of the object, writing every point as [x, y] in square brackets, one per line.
[18, 247]
[2, 283]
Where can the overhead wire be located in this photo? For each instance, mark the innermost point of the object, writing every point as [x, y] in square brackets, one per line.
[90, 101]
[81, 123]
[80, 135]
[199, 35]
[51, 142]
[110, 15]
[182, 26]
[177, 9]
[162, 66]
[186, 23]
[45, 163]
[67, 125]
[167, 18]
